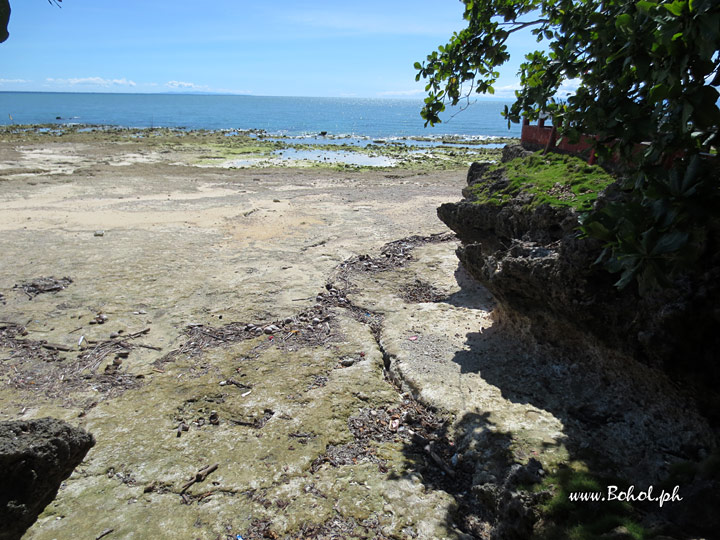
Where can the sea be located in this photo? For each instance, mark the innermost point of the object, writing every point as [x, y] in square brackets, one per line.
[281, 116]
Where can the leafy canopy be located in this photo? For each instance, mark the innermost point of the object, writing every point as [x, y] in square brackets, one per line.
[5, 17]
[647, 71]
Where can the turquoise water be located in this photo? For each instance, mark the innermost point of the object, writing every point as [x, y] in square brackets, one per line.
[293, 116]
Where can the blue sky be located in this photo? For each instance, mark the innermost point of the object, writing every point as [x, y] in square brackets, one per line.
[280, 47]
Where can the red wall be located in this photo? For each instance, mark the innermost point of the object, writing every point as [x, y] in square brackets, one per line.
[546, 137]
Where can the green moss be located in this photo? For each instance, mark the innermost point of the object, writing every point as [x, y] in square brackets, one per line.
[577, 520]
[554, 179]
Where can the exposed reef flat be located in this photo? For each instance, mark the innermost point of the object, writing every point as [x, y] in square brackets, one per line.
[277, 352]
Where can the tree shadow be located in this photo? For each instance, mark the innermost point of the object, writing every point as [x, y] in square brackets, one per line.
[471, 294]
[624, 422]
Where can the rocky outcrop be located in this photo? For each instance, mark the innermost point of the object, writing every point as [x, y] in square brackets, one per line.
[541, 271]
[35, 457]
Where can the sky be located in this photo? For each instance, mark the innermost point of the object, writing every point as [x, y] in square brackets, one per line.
[270, 48]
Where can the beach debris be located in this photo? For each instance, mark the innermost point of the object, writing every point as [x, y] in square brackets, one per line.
[105, 532]
[240, 385]
[318, 382]
[421, 291]
[96, 351]
[99, 233]
[100, 318]
[28, 348]
[36, 365]
[392, 255]
[200, 476]
[182, 426]
[43, 285]
[310, 327]
[256, 422]
[346, 454]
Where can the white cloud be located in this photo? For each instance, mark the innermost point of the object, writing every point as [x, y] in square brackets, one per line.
[185, 85]
[92, 81]
[13, 81]
[506, 91]
[568, 87]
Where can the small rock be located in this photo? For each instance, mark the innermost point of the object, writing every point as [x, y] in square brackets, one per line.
[37, 456]
[99, 233]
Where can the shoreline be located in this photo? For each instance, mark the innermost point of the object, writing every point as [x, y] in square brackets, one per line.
[258, 149]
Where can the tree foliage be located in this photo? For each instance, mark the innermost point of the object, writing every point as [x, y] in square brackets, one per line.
[647, 72]
[5, 17]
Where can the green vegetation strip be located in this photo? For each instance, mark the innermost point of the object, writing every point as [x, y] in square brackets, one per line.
[554, 179]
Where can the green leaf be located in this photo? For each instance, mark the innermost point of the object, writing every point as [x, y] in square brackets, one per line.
[659, 92]
[623, 22]
[676, 8]
[626, 277]
[669, 242]
[597, 230]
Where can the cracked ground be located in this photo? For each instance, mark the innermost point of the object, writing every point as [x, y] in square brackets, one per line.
[281, 353]
[187, 318]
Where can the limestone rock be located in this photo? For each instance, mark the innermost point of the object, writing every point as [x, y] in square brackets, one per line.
[35, 457]
[537, 265]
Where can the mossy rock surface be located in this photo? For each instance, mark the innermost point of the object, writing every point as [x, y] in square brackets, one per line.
[554, 179]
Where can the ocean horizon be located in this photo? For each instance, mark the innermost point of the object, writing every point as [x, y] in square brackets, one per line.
[275, 115]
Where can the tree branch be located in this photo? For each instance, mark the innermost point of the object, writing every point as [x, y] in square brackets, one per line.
[522, 25]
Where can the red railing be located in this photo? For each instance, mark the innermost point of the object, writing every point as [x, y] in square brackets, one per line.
[546, 137]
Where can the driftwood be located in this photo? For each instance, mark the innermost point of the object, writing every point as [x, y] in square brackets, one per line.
[200, 476]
